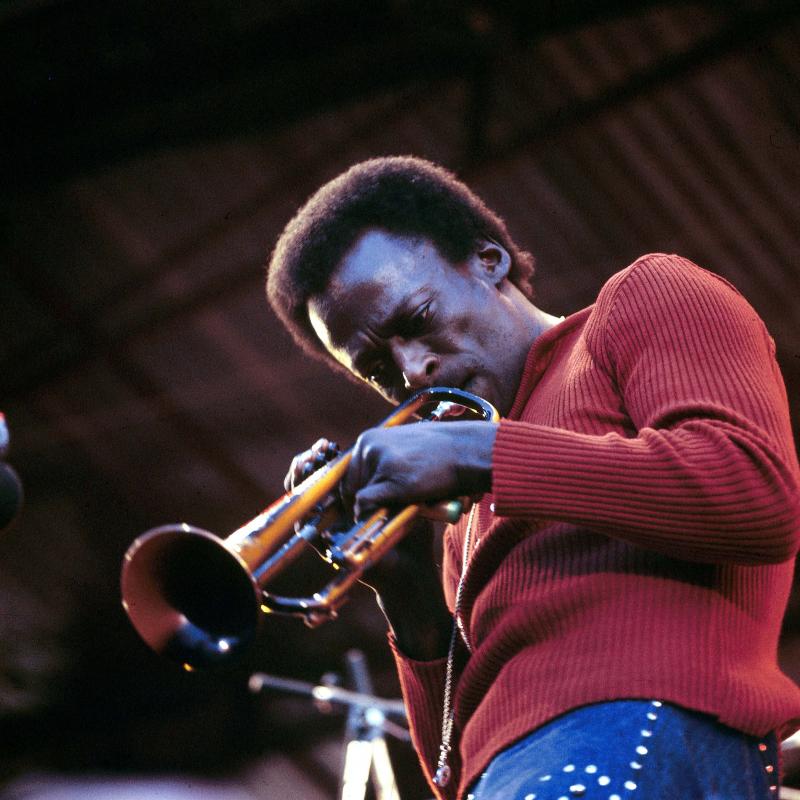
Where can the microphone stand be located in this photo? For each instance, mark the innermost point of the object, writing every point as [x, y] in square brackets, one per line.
[365, 752]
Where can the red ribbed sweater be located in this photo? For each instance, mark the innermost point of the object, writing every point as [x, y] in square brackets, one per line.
[644, 522]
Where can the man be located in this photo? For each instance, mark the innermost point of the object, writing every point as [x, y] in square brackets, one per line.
[620, 588]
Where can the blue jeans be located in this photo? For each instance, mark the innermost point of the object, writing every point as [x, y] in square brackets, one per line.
[633, 750]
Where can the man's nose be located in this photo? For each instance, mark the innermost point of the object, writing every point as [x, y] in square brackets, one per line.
[418, 365]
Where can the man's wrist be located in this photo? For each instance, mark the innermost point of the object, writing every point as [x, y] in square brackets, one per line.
[475, 468]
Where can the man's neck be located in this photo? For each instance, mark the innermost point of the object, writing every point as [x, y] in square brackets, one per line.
[535, 319]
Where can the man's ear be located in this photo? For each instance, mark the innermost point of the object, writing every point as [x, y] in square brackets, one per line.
[491, 260]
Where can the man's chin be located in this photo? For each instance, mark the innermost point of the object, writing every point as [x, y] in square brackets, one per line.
[489, 392]
[476, 385]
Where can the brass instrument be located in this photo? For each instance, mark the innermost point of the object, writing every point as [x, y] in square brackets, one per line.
[198, 599]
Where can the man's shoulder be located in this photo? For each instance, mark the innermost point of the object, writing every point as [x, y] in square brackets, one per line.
[664, 292]
[661, 274]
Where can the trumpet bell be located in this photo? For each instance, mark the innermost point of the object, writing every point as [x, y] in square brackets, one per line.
[189, 597]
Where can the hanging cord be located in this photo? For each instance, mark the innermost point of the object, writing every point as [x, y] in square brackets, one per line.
[443, 772]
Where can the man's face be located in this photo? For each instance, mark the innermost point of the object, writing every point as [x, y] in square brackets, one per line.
[400, 317]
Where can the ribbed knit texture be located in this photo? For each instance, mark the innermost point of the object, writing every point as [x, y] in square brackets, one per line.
[645, 521]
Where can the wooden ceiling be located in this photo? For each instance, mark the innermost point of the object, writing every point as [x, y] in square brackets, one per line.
[153, 156]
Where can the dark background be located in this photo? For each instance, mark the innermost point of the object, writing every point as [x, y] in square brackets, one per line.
[151, 154]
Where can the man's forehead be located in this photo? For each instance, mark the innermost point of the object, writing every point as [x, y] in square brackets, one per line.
[378, 277]
[374, 276]
[378, 256]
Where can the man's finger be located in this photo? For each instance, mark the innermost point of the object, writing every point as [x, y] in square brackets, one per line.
[303, 464]
[374, 495]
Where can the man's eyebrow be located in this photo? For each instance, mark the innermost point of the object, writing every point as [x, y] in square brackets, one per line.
[360, 361]
[404, 309]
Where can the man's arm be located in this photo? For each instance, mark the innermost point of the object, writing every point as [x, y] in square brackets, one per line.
[408, 586]
[711, 474]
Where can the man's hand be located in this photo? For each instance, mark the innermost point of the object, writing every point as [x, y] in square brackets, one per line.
[406, 581]
[397, 466]
[309, 461]
[419, 462]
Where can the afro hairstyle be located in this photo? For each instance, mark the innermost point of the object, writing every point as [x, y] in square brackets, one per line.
[402, 195]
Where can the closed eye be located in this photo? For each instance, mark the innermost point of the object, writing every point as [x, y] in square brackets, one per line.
[377, 375]
[417, 323]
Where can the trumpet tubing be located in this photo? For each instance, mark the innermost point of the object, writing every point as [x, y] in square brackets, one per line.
[198, 599]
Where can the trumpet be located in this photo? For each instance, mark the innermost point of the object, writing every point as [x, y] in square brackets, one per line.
[199, 599]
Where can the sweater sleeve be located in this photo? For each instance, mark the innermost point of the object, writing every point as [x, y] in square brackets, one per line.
[422, 684]
[711, 473]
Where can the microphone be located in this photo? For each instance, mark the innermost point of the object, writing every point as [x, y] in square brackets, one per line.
[4, 437]
[10, 495]
[11, 492]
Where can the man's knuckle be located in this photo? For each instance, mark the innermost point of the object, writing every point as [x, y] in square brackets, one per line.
[365, 443]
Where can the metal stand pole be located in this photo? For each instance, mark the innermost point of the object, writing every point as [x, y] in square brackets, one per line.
[365, 752]
[365, 746]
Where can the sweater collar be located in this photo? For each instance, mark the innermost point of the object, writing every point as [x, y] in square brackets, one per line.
[539, 357]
